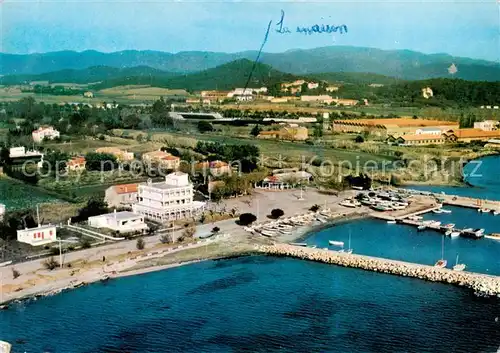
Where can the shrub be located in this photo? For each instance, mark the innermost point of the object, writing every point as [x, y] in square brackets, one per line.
[314, 208]
[247, 218]
[164, 239]
[359, 139]
[15, 273]
[50, 263]
[141, 244]
[215, 230]
[277, 213]
[85, 244]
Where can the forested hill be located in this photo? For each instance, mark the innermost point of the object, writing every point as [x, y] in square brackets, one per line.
[446, 92]
[89, 75]
[224, 77]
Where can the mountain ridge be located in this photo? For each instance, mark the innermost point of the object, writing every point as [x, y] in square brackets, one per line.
[402, 64]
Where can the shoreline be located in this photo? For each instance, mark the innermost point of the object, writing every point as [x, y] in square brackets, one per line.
[96, 275]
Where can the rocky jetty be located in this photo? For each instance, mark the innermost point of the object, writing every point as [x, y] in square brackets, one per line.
[481, 284]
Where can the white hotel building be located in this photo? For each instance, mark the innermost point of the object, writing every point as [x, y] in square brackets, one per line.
[167, 201]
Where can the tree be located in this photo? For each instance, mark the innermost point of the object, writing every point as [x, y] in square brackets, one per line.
[215, 230]
[255, 130]
[247, 218]
[204, 126]
[277, 213]
[314, 208]
[318, 130]
[15, 273]
[164, 239]
[100, 161]
[94, 207]
[50, 264]
[359, 139]
[140, 244]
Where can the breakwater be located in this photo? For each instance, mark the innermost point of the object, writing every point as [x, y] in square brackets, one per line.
[481, 284]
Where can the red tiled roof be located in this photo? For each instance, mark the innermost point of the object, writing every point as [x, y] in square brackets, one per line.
[126, 188]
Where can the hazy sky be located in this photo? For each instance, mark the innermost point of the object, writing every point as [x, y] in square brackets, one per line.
[456, 27]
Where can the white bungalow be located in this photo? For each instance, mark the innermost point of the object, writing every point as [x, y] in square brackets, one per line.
[122, 222]
[41, 235]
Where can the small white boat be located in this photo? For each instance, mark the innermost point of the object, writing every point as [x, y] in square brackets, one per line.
[445, 211]
[321, 220]
[437, 211]
[484, 210]
[448, 233]
[348, 203]
[478, 232]
[299, 244]
[285, 231]
[495, 213]
[458, 267]
[441, 263]
[336, 243]
[267, 233]
[455, 234]
[422, 227]
[391, 222]
[449, 225]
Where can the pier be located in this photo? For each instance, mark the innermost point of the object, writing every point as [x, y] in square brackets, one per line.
[460, 201]
[479, 283]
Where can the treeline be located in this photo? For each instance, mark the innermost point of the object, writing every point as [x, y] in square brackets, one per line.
[54, 90]
[446, 93]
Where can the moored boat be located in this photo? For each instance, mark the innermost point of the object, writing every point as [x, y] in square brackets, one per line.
[422, 227]
[336, 243]
[454, 234]
[441, 263]
[391, 222]
[449, 225]
[458, 267]
[445, 211]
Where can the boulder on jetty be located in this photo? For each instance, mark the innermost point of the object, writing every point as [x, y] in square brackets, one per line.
[481, 284]
[5, 347]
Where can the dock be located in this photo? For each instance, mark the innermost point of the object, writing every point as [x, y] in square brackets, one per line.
[459, 201]
[481, 284]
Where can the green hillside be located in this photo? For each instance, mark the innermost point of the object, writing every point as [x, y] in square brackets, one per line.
[224, 77]
[89, 75]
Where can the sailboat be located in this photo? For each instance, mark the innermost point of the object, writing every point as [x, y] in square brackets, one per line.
[349, 249]
[442, 262]
[458, 267]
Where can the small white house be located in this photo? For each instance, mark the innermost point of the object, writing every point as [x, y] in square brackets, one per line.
[122, 222]
[41, 235]
[45, 133]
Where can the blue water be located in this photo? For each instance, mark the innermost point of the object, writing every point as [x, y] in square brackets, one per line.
[400, 242]
[264, 304]
[483, 174]
[257, 304]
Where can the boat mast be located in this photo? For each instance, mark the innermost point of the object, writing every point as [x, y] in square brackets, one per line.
[442, 248]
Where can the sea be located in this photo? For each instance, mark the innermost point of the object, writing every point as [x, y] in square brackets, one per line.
[267, 304]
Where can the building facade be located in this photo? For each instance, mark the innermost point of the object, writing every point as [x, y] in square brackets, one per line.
[169, 200]
[122, 222]
[124, 195]
[487, 125]
[76, 164]
[44, 133]
[163, 159]
[121, 156]
[41, 235]
[387, 127]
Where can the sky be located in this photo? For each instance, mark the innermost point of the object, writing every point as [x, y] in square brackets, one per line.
[470, 29]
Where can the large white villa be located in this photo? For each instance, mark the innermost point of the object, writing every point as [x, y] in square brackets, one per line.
[169, 200]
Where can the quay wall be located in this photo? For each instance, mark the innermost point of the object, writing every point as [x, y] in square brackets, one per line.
[481, 284]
